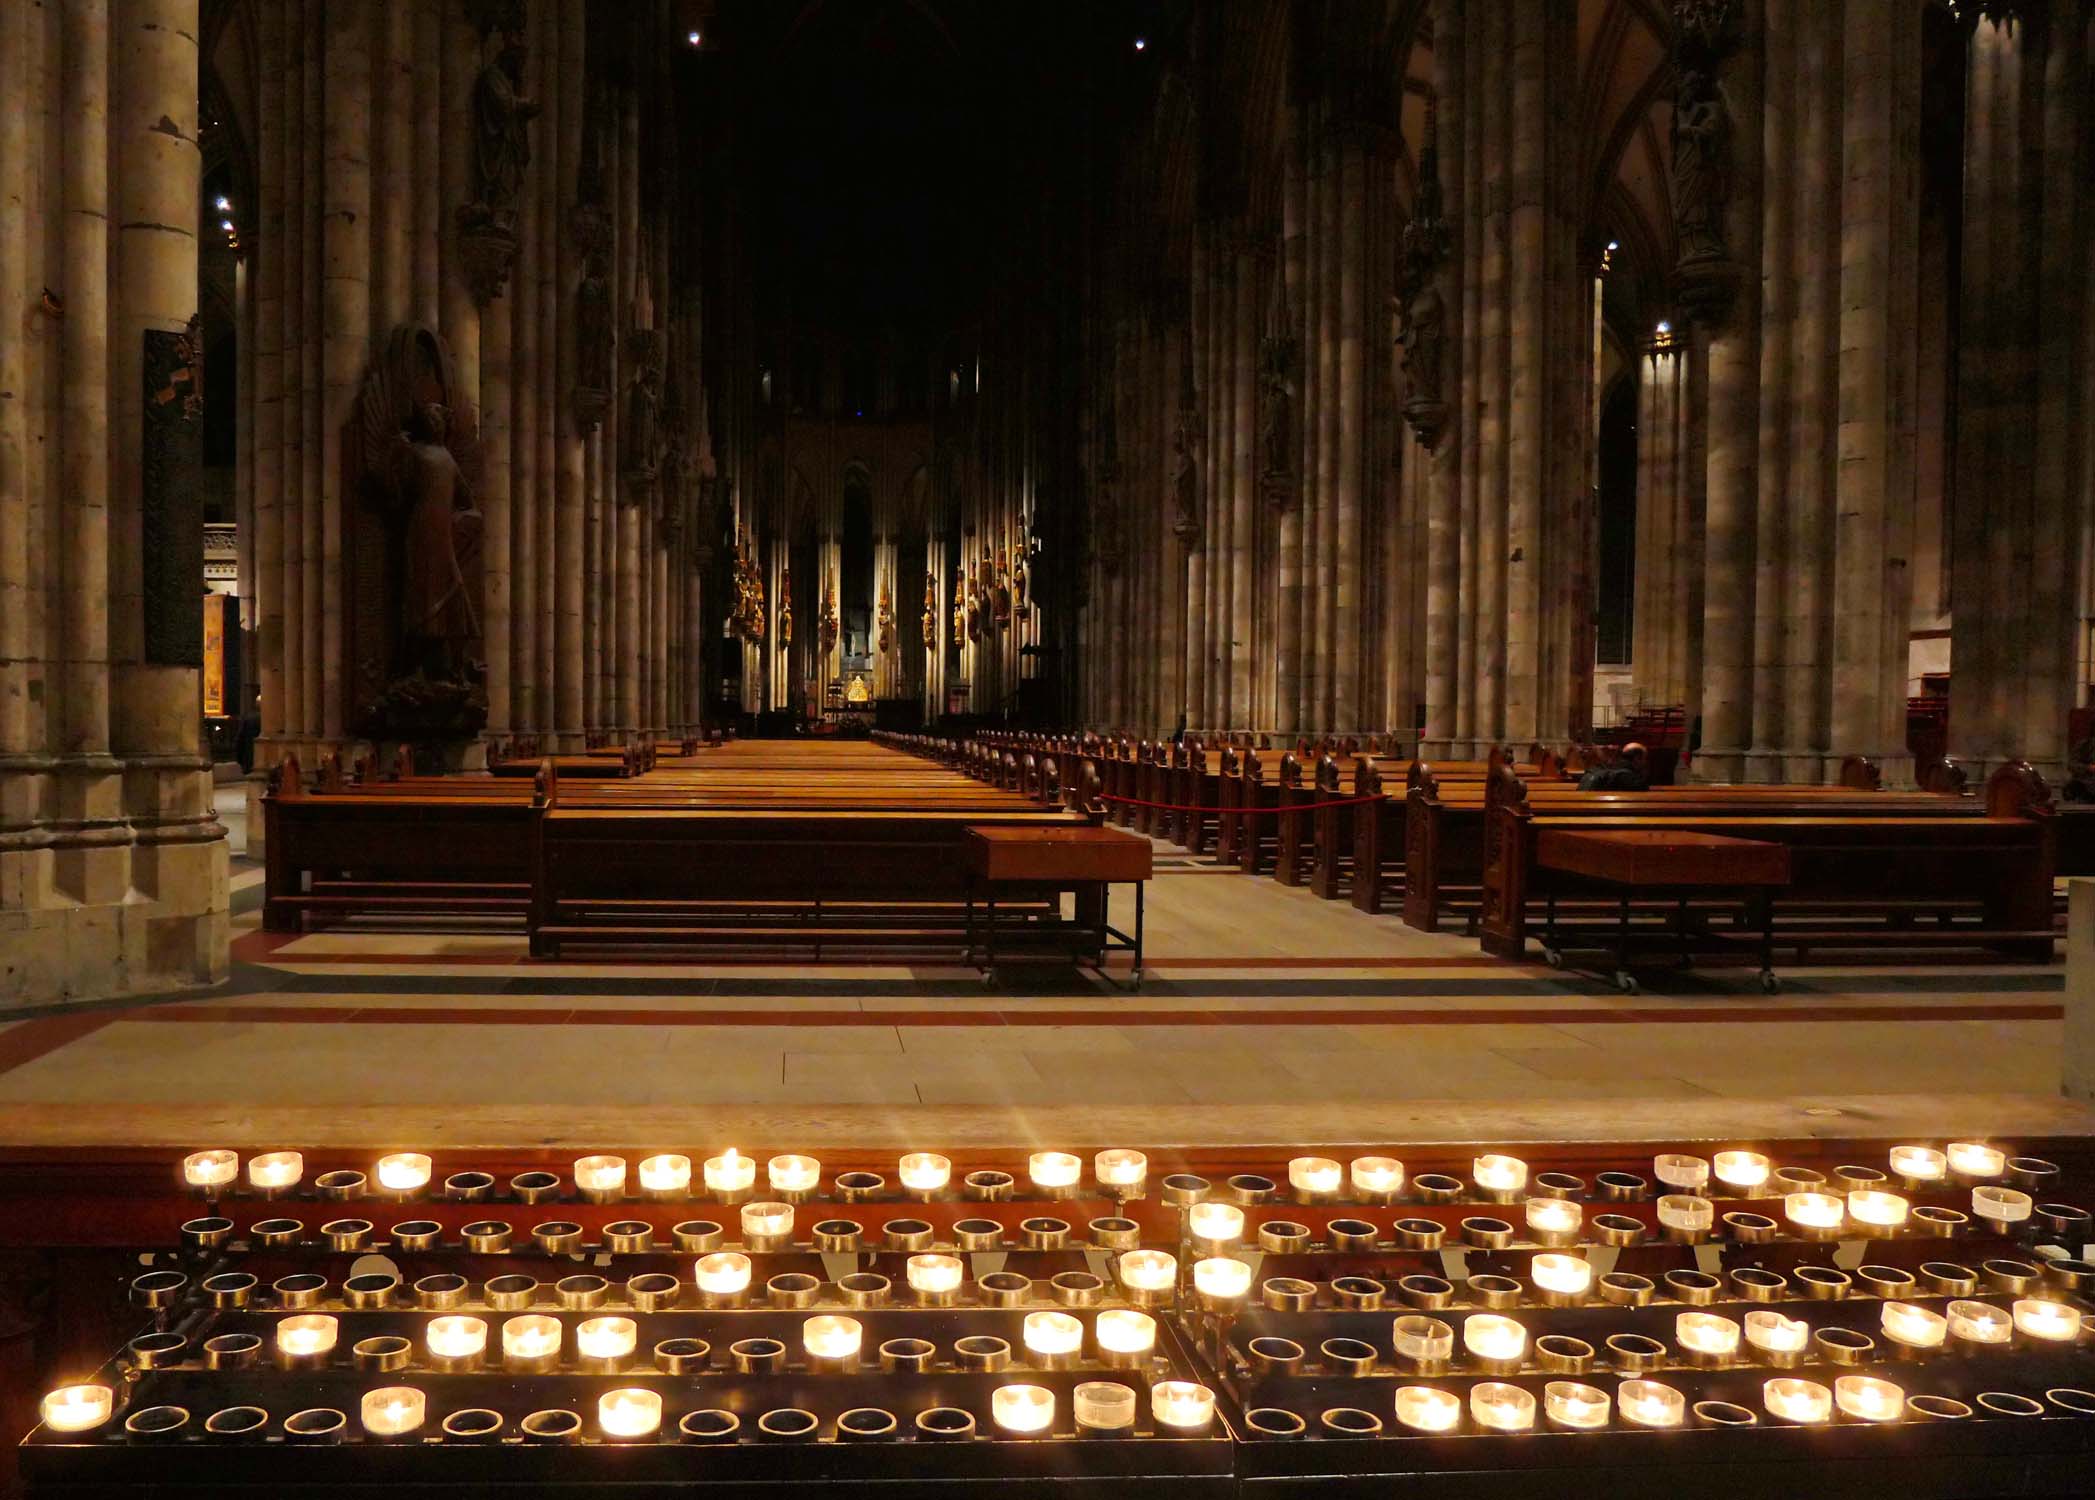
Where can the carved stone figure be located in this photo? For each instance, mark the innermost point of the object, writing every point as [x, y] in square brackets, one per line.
[1701, 166]
[639, 444]
[1276, 418]
[501, 139]
[501, 151]
[1185, 474]
[592, 342]
[1421, 314]
[437, 624]
[930, 612]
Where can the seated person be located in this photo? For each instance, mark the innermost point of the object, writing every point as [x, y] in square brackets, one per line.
[2080, 772]
[1626, 774]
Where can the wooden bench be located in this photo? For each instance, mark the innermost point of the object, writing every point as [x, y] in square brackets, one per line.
[1861, 866]
[1645, 863]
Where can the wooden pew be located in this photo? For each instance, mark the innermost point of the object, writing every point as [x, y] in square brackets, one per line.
[1856, 858]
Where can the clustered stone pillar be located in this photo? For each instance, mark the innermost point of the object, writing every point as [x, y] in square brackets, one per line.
[2020, 505]
[1668, 550]
[112, 862]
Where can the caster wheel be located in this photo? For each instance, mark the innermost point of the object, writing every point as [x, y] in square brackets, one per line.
[1627, 983]
[1769, 983]
[1553, 957]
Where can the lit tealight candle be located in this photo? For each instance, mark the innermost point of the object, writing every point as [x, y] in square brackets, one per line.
[1499, 1174]
[730, 1172]
[393, 1410]
[1488, 1336]
[1051, 1335]
[455, 1337]
[1795, 1400]
[722, 1274]
[1554, 1216]
[210, 1169]
[767, 1221]
[1054, 1170]
[1182, 1404]
[1573, 1403]
[1706, 1334]
[1772, 1333]
[307, 1336]
[606, 1338]
[273, 1171]
[1687, 1213]
[1120, 1169]
[1121, 1331]
[1022, 1409]
[1687, 1174]
[1915, 1327]
[2001, 1205]
[1148, 1271]
[1746, 1171]
[793, 1174]
[1499, 1407]
[1216, 1223]
[1564, 1275]
[1919, 1163]
[1428, 1408]
[1377, 1175]
[1868, 1399]
[601, 1174]
[2053, 1321]
[1815, 1211]
[934, 1274]
[830, 1337]
[1651, 1403]
[533, 1336]
[78, 1408]
[1318, 1175]
[403, 1172]
[1972, 1159]
[667, 1173]
[1221, 1278]
[1877, 1209]
[629, 1413]
[1979, 1323]
[925, 1172]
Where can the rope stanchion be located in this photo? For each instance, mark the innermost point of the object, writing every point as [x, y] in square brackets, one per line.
[1241, 811]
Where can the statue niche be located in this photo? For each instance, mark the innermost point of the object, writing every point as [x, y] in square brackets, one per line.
[501, 150]
[414, 571]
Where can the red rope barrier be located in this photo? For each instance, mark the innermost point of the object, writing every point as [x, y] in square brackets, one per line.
[1240, 810]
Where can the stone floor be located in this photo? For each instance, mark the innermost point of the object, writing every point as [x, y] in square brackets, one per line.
[1258, 998]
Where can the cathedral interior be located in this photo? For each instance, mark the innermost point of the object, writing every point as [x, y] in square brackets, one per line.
[1255, 749]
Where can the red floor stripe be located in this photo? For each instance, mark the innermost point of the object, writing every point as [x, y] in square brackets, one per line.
[1518, 1016]
[39, 1038]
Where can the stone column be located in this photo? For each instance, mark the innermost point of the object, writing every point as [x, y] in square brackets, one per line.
[571, 448]
[1813, 441]
[1779, 251]
[267, 399]
[392, 124]
[1347, 616]
[312, 287]
[14, 392]
[85, 359]
[546, 161]
[346, 303]
[289, 241]
[1443, 527]
[1879, 226]
[519, 307]
[1241, 636]
[2020, 507]
[427, 175]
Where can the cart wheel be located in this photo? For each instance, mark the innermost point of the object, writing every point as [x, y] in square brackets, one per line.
[1135, 980]
[1769, 982]
[1554, 957]
[989, 979]
[1626, 982]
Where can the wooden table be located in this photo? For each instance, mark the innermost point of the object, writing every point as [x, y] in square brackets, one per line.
[1665, 862]
[1087, 861]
